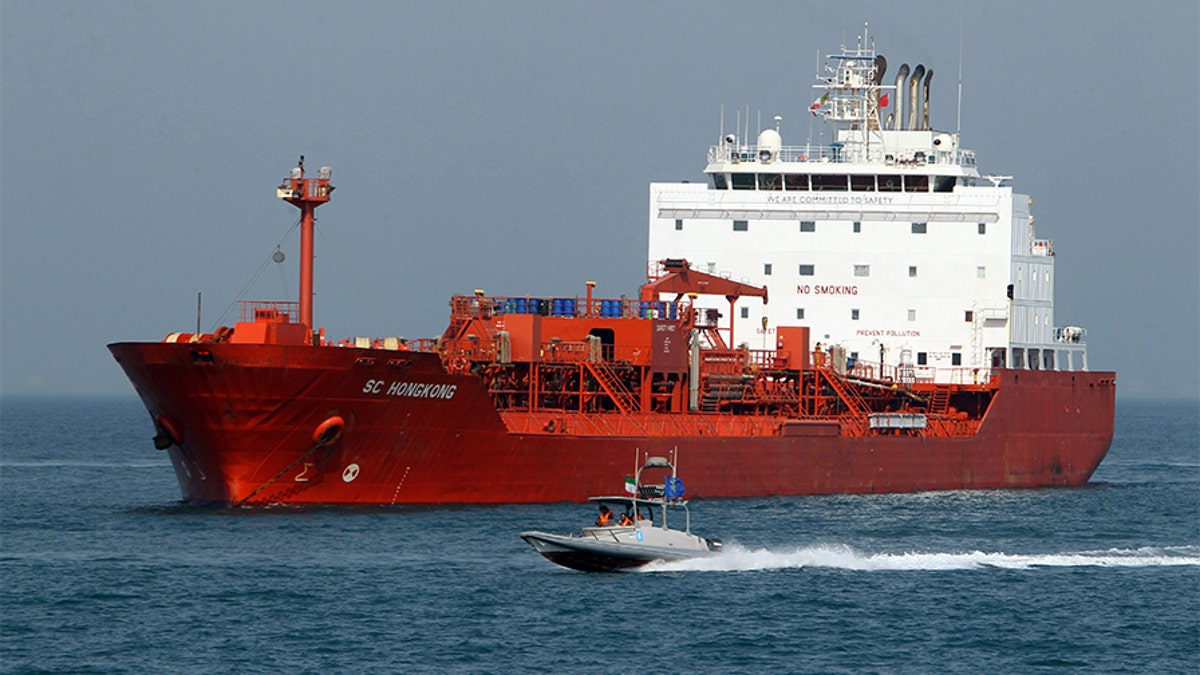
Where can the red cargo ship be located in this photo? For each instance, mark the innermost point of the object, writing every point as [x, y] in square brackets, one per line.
[532, 399]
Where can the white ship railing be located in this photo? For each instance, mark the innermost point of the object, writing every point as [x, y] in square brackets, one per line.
[1043, 247]
[839, 154]
[1071, 335]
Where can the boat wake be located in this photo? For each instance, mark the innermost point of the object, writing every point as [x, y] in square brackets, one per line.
[737, 558]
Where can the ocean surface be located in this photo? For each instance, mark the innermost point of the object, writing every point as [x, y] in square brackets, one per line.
[103, 570]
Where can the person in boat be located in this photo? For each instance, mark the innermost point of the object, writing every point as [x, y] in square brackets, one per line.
[606, 517]
[625, 519]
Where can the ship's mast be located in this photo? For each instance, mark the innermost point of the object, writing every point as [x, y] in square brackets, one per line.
[851, 83]
[306, 194]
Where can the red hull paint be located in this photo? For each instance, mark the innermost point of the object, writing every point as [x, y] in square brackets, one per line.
[245, 416]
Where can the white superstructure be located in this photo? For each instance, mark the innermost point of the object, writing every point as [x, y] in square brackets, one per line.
[886, 242]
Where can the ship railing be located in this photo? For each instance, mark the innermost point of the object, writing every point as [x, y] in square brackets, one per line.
[477, 306]
[838, 153]
[911, 375]
[769, 359]
[558, 351]
[724, 361]
[459, 353]
[1075, 335]
[1042, 247]
[562, 351]
[255, 310]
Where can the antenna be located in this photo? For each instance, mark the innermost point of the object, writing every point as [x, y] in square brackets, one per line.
[958, 121]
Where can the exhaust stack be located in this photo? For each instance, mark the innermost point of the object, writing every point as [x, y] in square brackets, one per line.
[913, 119]
[898, 116]
[880, 69]
[925, 104]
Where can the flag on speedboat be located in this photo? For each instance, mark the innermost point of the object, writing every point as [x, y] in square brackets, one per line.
[630, 485]
[673, 489]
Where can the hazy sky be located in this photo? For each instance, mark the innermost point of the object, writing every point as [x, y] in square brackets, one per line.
[509, 146]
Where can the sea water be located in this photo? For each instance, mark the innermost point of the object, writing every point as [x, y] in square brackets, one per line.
[103, 570]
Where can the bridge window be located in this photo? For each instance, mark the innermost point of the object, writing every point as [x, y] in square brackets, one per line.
[922, 359]
[854, 315]
[807, 270]
[912, 270]
[862, 270]
[955, 359]
[745, 312]
[799, 312]
[796, 181]
[916, 183]
[770, 181]
[834, 182]
[857, 226]
[983, 228]
[862, 183]
[943, 183]
[889, 183]
[741, 225]
[742, 181]
[919, 228]
[767, 269]
[720, 181]
[678, 223]
[808, 226]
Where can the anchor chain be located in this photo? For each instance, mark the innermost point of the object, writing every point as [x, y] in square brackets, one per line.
[317, 445]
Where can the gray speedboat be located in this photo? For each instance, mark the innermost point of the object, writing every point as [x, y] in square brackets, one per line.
[635, 532]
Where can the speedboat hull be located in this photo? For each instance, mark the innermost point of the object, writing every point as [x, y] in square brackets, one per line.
[611, 549]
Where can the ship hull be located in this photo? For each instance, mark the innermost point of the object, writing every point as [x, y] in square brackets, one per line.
[250, 424]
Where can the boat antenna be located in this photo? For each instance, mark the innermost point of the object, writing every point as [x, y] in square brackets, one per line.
[812, 119]
[747, 134]
[958, 121]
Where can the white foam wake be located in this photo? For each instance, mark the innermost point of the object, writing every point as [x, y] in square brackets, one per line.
[827, 556]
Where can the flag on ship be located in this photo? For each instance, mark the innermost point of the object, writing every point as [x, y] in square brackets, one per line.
[630, 485]
[883, 101]
[818, 103]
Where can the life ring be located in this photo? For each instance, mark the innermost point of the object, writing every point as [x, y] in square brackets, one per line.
[167, 435]
[329, 431]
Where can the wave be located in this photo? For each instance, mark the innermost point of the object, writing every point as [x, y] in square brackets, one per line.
[57, 463]
[737, 558]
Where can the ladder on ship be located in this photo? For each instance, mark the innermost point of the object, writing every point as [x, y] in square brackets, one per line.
[939, 400]
[847, 393]
[612, 385]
